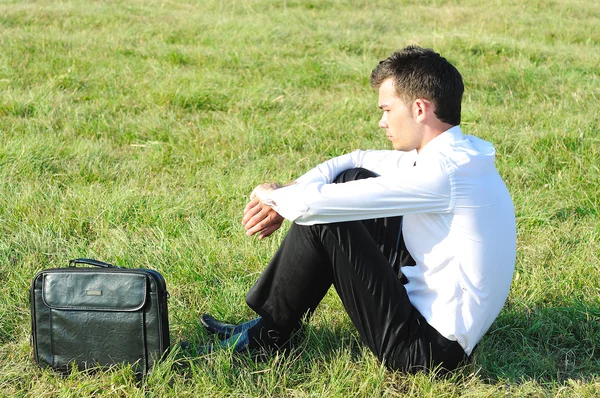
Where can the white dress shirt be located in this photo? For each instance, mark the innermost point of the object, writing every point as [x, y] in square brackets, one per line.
[459, 223]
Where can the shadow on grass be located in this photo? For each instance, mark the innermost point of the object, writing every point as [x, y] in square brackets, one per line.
[545, 344]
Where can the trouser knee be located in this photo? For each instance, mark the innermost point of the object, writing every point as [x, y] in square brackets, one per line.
[354, 174]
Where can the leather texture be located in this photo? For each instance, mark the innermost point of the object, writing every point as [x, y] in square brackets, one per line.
[94, 317]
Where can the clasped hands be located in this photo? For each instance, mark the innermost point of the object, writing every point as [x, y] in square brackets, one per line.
[258, 217]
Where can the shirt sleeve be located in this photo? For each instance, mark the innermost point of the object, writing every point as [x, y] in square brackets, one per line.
[421, 189]
[376, 161]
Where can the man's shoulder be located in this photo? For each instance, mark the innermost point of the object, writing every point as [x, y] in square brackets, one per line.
[470, 151]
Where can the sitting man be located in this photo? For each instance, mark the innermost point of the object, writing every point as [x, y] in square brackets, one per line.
[419, 242]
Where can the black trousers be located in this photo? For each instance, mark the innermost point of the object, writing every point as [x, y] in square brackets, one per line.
[362, 260]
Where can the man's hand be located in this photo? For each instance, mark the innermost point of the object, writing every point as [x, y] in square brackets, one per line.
[259, 217]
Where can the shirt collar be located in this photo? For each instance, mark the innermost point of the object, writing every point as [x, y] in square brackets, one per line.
[451, 135]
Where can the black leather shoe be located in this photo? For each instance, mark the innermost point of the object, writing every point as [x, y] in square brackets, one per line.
[258, 343]
[225, 330]
[243, 342]
[239, 343]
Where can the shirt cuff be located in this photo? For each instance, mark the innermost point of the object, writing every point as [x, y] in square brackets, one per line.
[287, 201]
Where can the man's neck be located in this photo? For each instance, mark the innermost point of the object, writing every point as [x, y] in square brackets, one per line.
[432, 130]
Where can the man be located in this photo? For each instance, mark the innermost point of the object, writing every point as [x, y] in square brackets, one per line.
[434, 211]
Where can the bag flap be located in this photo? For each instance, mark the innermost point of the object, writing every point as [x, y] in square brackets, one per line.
[106, 291]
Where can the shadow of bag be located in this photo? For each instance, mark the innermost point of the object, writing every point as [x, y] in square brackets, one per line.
[98, 316]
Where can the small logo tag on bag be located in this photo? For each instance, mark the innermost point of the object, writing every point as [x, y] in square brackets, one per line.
[91, 292]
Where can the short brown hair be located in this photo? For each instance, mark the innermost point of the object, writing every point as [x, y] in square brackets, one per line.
[422, 73]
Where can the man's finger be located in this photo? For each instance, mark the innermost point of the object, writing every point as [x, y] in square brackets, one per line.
[253, 202]
[267, 231]
[250, 213]
[272, 227]
[259, 221]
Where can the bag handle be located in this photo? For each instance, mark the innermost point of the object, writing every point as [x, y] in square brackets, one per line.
[90, 261]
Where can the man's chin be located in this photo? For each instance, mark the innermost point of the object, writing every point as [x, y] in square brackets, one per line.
[401, 147]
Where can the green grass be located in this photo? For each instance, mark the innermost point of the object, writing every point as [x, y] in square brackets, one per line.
[133, 132]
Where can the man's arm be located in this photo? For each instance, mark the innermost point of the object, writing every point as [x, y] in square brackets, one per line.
[375, 160]
[259, 217]
[423, 189]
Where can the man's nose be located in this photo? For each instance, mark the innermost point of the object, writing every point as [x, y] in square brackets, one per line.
[383, 122]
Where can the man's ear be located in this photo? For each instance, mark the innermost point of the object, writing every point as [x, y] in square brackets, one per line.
[421, 109]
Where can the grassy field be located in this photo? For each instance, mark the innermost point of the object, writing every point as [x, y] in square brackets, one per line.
[133, 132]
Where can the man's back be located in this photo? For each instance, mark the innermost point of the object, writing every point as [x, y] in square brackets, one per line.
[465, 256]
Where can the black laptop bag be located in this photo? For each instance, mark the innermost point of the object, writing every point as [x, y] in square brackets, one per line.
[99, 316]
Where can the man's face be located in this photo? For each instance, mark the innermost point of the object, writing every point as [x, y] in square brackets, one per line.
[397, 120]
